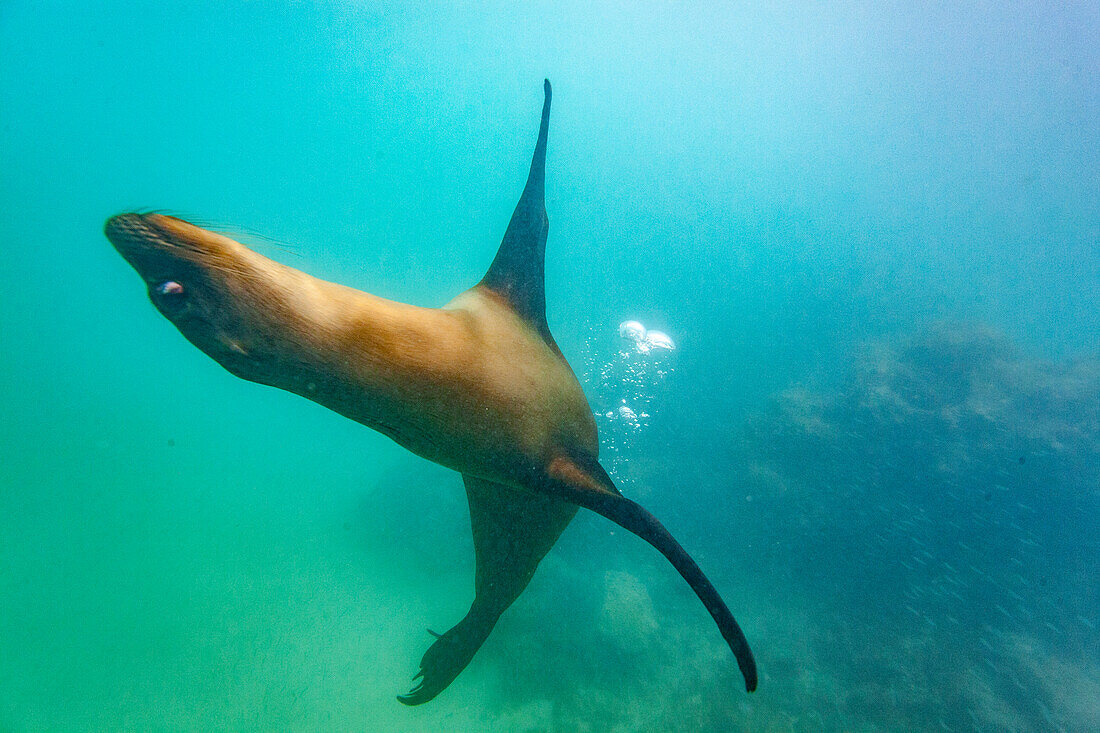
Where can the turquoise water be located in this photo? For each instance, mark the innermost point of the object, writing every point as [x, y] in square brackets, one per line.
[871, 229]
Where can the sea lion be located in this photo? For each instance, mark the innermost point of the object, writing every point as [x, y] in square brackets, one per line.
[479, 386]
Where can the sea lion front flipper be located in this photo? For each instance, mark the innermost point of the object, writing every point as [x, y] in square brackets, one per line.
[513, 531]
[517, 271]
[585, 483]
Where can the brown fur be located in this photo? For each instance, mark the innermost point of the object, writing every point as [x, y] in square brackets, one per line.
[470, 386]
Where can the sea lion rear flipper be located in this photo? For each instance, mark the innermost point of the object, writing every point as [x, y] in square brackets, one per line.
[512, 530]
[585, 483]
[517, 271]
[448, 656]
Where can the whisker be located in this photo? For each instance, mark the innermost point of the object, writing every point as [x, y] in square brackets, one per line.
[246, 235]
[146, 211]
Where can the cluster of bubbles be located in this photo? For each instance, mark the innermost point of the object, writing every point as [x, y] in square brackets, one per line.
[645, 341]
[636, 375]
[624, 388]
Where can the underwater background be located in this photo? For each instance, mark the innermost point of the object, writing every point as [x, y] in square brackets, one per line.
[871, 229]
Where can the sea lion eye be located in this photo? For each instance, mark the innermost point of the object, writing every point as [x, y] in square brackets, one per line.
[169, 287]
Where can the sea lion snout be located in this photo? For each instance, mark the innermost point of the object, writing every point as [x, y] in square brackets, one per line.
[144, 246]
[132, 234]
[124, 231]
[141, 240]
[163, 248]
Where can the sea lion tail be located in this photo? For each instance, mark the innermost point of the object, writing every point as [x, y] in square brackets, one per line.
[589, 486]
[448, 656]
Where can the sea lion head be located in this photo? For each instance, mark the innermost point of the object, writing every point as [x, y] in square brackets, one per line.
[225, 299]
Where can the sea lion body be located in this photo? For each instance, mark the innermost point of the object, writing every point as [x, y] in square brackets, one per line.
[469, 386]
[479, 386]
